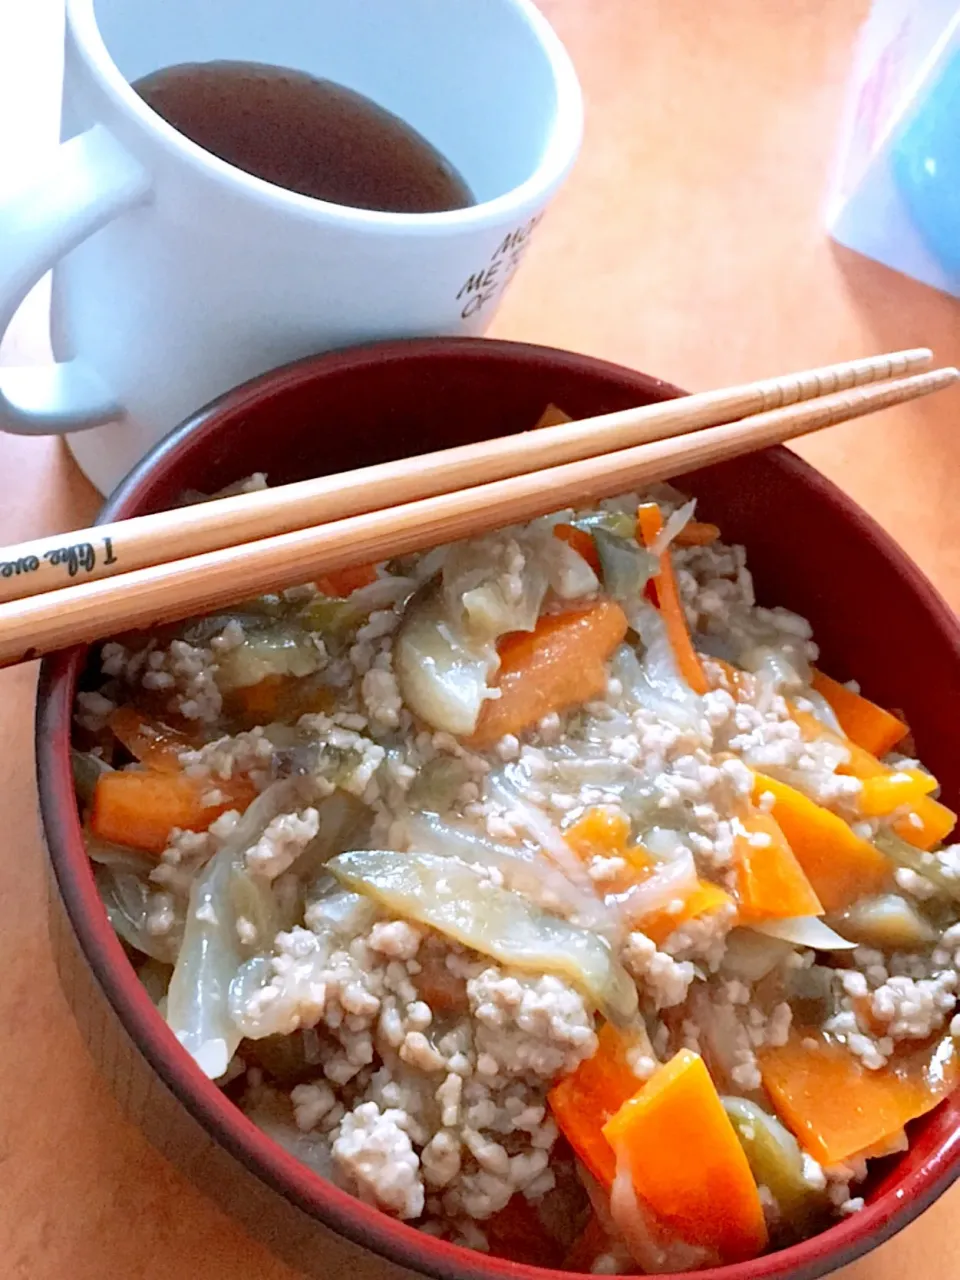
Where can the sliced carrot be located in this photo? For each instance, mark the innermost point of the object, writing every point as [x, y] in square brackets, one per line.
[697, 533]
[557, 665]
[839, 864]
[343, 582]
[581, 541]
[861, 763]
[444, 991]
[551, 417]
[605, 831]
[150, 741]
[687, 1162]
[928, 822]
[140, 807]
[864, 723]
[259, 701]
[837, 1108]
[702, 899]
[649, 525]
[584, 1101]
[602, 829]
[811, 729]
[885, 792]
[771, 884]
[278, 697]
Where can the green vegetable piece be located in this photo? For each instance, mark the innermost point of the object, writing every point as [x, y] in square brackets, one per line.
[626, 566]
[776, 1162]
[887, 922]
[282, 651]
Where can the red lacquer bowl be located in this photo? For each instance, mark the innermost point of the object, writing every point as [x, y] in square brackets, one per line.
[810, 548]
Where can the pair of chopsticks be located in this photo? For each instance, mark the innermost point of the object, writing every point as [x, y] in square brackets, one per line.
[136, 573]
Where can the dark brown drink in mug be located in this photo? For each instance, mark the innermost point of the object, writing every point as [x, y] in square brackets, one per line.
[306, 134]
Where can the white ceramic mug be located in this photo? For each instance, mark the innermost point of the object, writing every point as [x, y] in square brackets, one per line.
[176, 275]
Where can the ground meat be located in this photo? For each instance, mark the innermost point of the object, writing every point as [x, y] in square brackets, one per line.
[528, 1025]
[471, 1098]
[703, 939]
[912, 883]
[94, 711]
[373, 1150]
[282, 842]
[912, 1010]
[186, 674]
[381, 696]
[395, 938]
[948, 861]
[664, 980]
[248, 752]
[312, 1103]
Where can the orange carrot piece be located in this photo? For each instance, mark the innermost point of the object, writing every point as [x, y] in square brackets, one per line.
[862, 764]
[687, 1162]
[551, 417]
[277, 697]
[581, 541]
[702, 899]
[444, 991]
[864, 723]
[140, 807]
[885, 792]
[771, 884]
[149, 741]
[811, 728]
[602, 829]
[928, 822]
[836, 1108]
[259, 701]
[649, 525]
[557, 665]
[584, 1101]
[343, 582]
[839, 864]
[605, 831]
[697, 533]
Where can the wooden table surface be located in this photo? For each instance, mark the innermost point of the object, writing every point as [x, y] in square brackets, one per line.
[689, 244]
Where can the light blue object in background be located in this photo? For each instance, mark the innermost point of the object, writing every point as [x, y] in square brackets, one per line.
[894, 195]
[926, 167]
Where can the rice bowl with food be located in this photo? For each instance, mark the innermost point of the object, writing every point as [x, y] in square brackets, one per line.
[538, 890]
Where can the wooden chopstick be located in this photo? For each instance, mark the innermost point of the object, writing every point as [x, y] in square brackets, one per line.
[161, 593]
[50, 563]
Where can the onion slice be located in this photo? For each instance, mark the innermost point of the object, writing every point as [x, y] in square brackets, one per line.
[805, 931]
[457, 900]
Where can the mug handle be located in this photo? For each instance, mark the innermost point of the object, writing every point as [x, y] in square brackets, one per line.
[90, 181]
